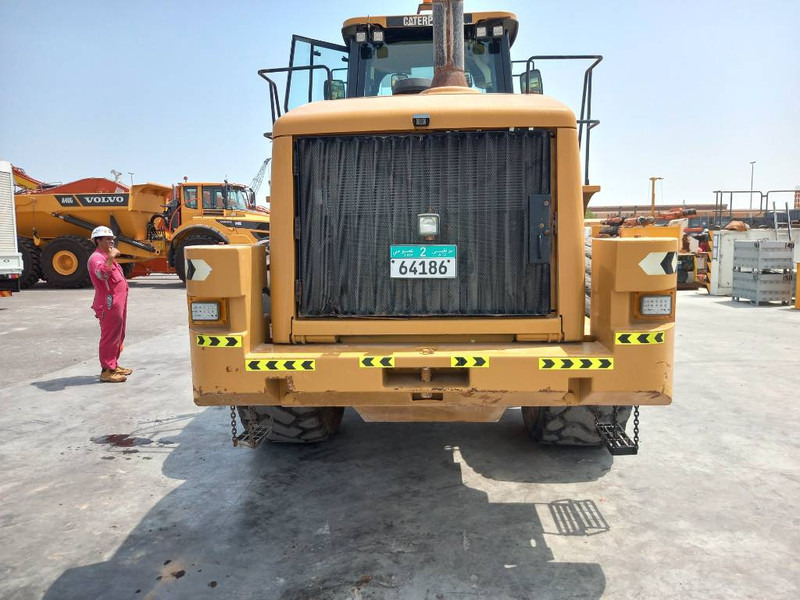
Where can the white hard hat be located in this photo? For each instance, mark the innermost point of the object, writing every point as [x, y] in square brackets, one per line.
[102, 231]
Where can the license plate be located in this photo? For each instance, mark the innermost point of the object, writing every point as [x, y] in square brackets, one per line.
[424, 261]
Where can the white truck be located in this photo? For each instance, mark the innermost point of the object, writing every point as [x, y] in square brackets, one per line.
[10, 258]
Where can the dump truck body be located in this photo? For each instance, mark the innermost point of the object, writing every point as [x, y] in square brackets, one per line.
[38, 213]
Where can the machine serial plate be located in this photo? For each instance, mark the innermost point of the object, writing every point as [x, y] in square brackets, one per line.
[424, 261]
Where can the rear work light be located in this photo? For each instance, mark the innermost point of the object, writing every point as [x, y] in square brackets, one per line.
[652, 306]
[205, 311]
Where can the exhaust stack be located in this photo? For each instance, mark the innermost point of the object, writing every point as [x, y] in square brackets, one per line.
[448, 44]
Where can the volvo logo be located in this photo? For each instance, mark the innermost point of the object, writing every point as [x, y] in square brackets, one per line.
[103, 199]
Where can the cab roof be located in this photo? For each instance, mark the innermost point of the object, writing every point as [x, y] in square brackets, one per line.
[425, 20]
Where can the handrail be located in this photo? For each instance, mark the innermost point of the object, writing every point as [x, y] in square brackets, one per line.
[585, 121]
[274, 97]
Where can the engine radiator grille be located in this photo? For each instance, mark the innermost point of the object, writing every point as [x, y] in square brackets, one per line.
[358, 195]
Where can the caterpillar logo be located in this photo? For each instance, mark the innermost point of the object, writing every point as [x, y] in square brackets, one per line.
[576, 364]
[469, 361]
[282, 364]
[376, 362]
[219, 341]
[635, 338]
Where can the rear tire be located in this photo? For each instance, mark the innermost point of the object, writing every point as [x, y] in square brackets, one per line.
[31, 262]
[569, 425]
[297, 424]
[65, 262]
[127, 269]
[193, 239]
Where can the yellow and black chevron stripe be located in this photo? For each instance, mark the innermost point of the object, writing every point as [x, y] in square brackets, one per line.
[219, 341]
[376, 362]
[282, 364]
[638, 338]
[469, 361]
[576, 364]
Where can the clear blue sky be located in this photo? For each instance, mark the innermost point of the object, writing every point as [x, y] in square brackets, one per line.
[689, 90]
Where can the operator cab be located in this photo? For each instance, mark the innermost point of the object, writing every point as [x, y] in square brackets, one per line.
[384, 56]
[191, 200]
[388, 56]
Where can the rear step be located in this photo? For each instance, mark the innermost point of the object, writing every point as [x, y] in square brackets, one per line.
[616, 440]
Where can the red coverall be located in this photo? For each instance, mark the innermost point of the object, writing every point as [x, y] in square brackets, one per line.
[110, 306]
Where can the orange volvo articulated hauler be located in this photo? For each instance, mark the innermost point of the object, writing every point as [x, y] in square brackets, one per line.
[428, 252]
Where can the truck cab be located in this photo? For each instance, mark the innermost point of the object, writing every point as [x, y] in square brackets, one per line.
[192, 200]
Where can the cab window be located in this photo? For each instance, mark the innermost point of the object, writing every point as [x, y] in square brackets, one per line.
[212, 198]
[190, 197]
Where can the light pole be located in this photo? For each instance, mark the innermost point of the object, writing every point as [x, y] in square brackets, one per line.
[131, 173]
[752, 168]
[653, 195]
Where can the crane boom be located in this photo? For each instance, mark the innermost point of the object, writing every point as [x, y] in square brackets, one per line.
[259, 178]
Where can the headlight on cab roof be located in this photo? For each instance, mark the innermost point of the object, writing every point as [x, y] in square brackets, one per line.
[206, 311]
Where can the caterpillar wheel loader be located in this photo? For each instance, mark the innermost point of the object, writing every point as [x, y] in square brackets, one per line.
[427, 251]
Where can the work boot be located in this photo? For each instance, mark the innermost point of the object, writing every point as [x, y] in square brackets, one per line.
[123, 371]
[109, 376]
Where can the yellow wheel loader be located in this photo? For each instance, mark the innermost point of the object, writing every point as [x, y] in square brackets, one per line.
[427, 251]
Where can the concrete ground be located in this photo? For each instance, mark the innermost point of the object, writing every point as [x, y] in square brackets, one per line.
[167, 509]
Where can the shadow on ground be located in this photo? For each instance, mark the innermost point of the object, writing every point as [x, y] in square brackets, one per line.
[61, 383]
[389, 511]
[160, 284]
[747, 304]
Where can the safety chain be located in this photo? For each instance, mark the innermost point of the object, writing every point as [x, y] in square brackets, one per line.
[251, 426]
[234, 437]
[636, 425]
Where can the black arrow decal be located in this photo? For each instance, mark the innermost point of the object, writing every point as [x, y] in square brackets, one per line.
[231, 341]
[586, 363]
[289, 365]
[566, 363]
[547, 363]
[666, 264]
[625, 338]
[386, 361]
[253, 364]
[642, 338]
[215, 341]
[605, 363]
[367, 361]
[479, 361]
[272, 364]
[460, 361]
[660, 337]
[201, 340]
[190, 270]
[308, 364]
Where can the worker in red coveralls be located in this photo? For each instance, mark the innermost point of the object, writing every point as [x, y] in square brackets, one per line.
[110, 304]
